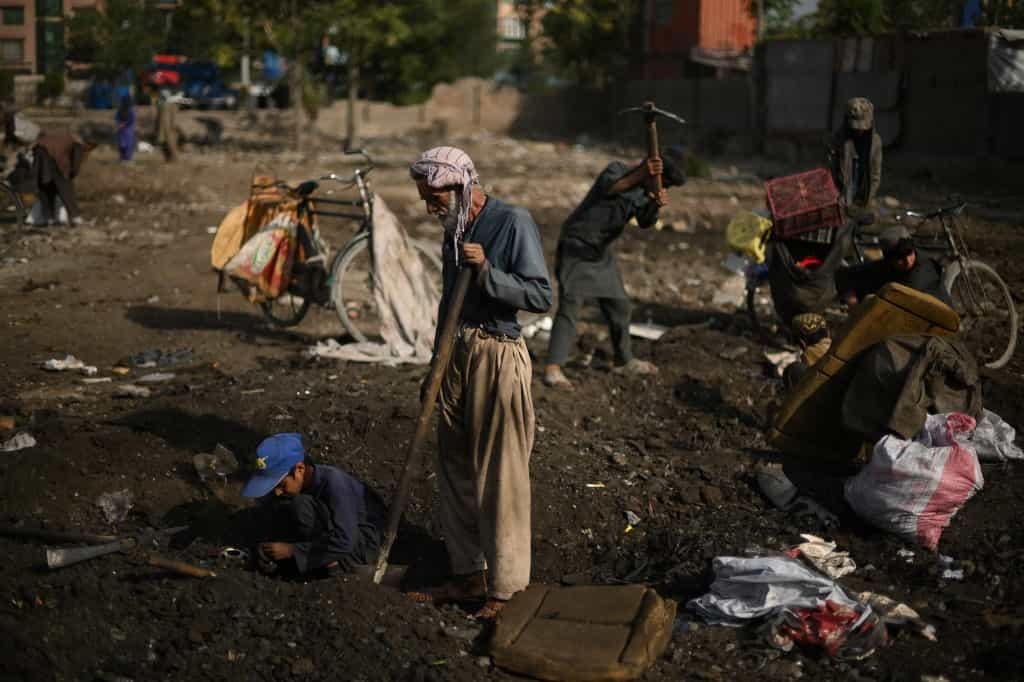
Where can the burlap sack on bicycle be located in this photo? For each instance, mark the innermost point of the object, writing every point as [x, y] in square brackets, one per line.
[903, 379]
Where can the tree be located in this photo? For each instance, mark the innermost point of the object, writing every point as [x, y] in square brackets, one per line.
[446, 40]
[852, 17]
[360, 30]
[778, 16]
[209, 30]
[590, 39]
[124, 36]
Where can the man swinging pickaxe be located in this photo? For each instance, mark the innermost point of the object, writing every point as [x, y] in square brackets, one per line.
[651, 113]
[622, 195]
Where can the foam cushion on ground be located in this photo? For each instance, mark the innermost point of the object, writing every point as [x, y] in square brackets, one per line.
[582, 632]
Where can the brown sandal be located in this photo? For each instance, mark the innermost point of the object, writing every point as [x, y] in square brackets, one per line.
[491, 609]
[470, 587]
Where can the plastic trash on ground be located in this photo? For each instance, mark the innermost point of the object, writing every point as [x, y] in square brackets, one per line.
[823, 555]
[913, 488]
[993, 439]
[156, 377]
[19, 441]
[132, 391]
[647, 330]
[893, 612]
[69, 362]
[531, 330]
[781, 360]
[746, 234]
[221, 462]
[798, 604]
[115, 505]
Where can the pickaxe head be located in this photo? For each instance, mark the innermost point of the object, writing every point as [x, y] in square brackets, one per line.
[651, 112]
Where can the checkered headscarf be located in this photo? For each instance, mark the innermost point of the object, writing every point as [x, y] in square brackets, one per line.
[446, 168]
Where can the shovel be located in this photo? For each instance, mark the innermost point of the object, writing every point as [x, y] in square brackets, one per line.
[412, 461]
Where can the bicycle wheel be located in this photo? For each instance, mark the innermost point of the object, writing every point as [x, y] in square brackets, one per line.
[352, 287]
[988, 318]
[287, 310]
[12, 210]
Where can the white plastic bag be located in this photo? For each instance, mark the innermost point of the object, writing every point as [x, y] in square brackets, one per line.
[914, 487]
[40, 216]
[25, 130]
[993, 439]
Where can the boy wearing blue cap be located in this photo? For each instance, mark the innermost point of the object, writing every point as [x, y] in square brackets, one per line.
[332, 520]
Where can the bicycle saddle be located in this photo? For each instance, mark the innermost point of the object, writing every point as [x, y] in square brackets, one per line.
[307, 188]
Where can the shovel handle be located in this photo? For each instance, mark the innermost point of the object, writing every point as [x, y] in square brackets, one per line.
[180, 567]
[437, 372]
[53, 535]
[66, 556]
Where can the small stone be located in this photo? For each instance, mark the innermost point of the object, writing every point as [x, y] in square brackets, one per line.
[689, 494]
[711, 495]
[483, 661]
[619, 459]
[302, 667]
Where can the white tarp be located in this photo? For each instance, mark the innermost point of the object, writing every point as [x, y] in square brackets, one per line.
[406, 299]
[1006, 61]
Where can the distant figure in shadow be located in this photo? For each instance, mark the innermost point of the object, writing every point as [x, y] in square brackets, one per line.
[57, 159]
[125, 120]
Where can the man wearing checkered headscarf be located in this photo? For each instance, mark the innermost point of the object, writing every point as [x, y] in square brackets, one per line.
[486, 424]
[449, 168]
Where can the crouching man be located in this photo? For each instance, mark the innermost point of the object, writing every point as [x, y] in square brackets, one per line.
[330, 520]
[486, 424]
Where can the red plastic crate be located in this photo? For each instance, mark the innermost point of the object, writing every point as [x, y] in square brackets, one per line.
[804, 202]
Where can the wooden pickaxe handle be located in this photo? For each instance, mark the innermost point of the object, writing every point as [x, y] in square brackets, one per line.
[437, 372]
[652, 146]
[652, 153]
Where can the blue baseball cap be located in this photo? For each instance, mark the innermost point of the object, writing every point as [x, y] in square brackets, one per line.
[275, 457]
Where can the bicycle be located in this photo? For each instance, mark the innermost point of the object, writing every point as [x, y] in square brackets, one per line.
[12, 208]
[988, 316]
[343, 281]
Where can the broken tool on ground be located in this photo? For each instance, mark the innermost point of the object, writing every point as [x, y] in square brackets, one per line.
[62, 557]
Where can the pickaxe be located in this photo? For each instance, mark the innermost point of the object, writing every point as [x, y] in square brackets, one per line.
[651, 113]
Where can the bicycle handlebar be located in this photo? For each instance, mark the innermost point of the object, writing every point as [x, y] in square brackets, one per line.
[953, 209]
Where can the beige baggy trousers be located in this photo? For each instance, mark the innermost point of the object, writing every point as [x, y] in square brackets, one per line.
[485, 435]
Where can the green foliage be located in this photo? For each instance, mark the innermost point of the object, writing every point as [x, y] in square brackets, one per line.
[402, 47]
[6, 86]
[124, 36]
[696, 167]
[51, 86]
[778, 15]
[852, 17]
[314, 96]
[590, 39]
[861, 17]
[209, 30]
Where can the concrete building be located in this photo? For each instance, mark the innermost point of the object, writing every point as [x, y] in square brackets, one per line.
[677, 34]
[32, 33]
[512, 25]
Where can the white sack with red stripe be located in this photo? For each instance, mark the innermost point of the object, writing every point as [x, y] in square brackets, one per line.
[913, 488]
